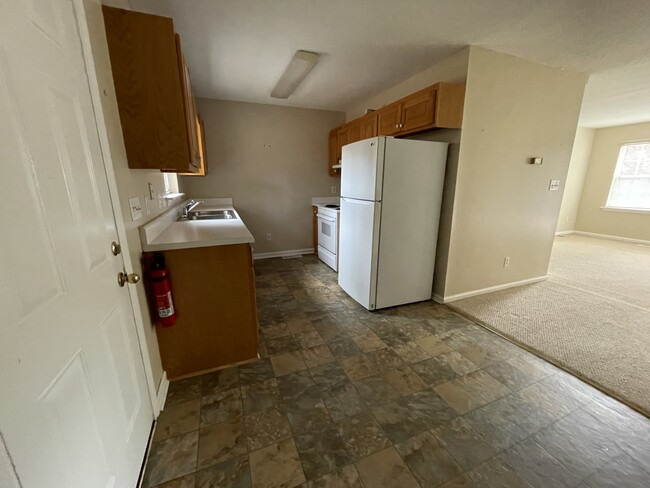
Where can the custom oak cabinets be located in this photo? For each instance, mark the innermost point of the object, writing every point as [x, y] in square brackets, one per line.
[438, 106]
[154, 92]
[203, 152]
[214, 297]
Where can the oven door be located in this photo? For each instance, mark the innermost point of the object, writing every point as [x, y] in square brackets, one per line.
[327, 232]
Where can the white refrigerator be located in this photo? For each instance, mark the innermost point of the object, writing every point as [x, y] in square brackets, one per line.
[391, 192]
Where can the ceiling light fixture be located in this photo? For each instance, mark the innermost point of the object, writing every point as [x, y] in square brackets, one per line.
[296, 71]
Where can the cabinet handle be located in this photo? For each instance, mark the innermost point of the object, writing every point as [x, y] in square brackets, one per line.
[397, 126]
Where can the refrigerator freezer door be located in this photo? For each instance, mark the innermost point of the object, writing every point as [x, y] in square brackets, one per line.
[358, 249]
[362, 169]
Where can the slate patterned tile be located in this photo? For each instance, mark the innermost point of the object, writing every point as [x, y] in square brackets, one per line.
[188, 481]
[221, 407]
[344, 348]
[221, 442]
[280, 345]
[172, 458]
[386, 359]
[404, 380]
[467, 446]
[317, 355]
[309, 339]
[234, 473]
[399, 422]
[369, 341]
[533, 367]
[183, 390]
[434, 373]
[622, 471]
[276, 466]
[537, 466]
[428, 460]
[346, 477]
[344, 402]
[520, 412]
[286, 363]
[255, 372]
[501, 432]
[266, 427]
[494, 473]
[219, 381]
[312, 419]
[321, 452]
[260, 396]
[485, 386]
[508, 375]
[429, 406]
[375, 391]
[358, 367]
[329, 377]
[411, 352]
[300, 325]
[178, 419]
[433, 345]
[362, 435]
[459, 395]
[274, 331]
[298, 388]
[463, 481]
[385, 469]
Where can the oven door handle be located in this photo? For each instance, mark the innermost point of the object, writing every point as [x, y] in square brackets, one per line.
[324, 217]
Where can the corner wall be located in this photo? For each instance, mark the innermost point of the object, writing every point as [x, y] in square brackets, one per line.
[271, 160]
[575, 179]
[604, 154]
[514, 110]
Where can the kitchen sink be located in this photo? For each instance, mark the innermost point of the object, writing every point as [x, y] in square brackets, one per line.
[211, 215]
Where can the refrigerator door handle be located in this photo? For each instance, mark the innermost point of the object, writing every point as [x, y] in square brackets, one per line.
[360, 202]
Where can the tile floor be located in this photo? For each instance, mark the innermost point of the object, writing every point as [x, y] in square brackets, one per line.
[414, 396]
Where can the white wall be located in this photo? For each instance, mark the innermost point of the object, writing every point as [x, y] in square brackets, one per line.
[514, 110]
[271, 160]
[131, 183]
[575, 179]
[604, 154]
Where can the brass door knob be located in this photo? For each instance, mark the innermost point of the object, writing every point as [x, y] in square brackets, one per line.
[131, 278]
[115, 248]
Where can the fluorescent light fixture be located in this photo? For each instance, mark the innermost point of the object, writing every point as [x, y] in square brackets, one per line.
[297, 69]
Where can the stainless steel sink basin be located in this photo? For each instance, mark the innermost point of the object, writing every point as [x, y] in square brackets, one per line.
[211, 215]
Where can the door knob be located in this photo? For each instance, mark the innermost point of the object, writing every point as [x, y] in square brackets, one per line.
[115, 248]
[131, 278]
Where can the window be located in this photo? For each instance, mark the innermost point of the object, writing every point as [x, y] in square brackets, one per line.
[171, 183]
[631, 184]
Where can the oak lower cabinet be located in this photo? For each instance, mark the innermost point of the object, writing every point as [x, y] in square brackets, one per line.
[214, 296]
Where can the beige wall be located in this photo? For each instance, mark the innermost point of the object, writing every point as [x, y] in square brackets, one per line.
[452, 69]
[575, 179]
[131, 183]
[271, 160]
[514, 110]
[604, 153]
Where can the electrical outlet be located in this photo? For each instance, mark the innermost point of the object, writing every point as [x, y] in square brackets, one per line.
[506, 261]
[268, 236]
[136, 208]
[333, 190]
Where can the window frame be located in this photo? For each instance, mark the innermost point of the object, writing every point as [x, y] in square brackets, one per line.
[619, 160]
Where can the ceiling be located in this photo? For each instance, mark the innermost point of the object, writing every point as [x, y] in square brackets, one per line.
[237, 49]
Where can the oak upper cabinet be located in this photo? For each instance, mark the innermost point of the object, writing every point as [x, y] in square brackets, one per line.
[368, 126]
[203, 152]
[334, 152]
[389, 119]
[417, 110]
[154, 92]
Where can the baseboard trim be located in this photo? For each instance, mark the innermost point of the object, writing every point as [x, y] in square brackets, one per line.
[162, 391]
[279, 254]
[611, 238]
[438, 298]
[491, 289]
[565, 233]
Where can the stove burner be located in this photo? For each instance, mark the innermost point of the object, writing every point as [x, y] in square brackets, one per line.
[333, 206]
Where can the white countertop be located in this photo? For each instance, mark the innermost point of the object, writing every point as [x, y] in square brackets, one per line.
[165, 233]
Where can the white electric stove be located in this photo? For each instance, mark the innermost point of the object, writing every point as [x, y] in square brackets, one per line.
[328, 233]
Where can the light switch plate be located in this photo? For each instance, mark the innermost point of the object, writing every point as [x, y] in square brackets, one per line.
[136, 208]
[554, 185]
[536, 160]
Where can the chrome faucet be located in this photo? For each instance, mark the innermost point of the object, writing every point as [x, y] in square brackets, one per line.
[189, 206]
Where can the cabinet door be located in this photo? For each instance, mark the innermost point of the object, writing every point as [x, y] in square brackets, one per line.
[191, 117]
[418, 110]
[389, 119]
[344, 138]
[368, 126]
[334, 152]
[354, 132]
[203, 167]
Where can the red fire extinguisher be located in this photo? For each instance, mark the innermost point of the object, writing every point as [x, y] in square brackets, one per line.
[162, 292]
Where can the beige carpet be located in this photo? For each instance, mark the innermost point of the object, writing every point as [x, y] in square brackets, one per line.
[592, 316]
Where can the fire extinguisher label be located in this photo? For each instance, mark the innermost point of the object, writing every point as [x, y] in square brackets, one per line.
[164, 305]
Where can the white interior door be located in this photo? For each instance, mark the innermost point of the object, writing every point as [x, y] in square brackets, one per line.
[362, 168]
[74, 405]
[358, 249]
